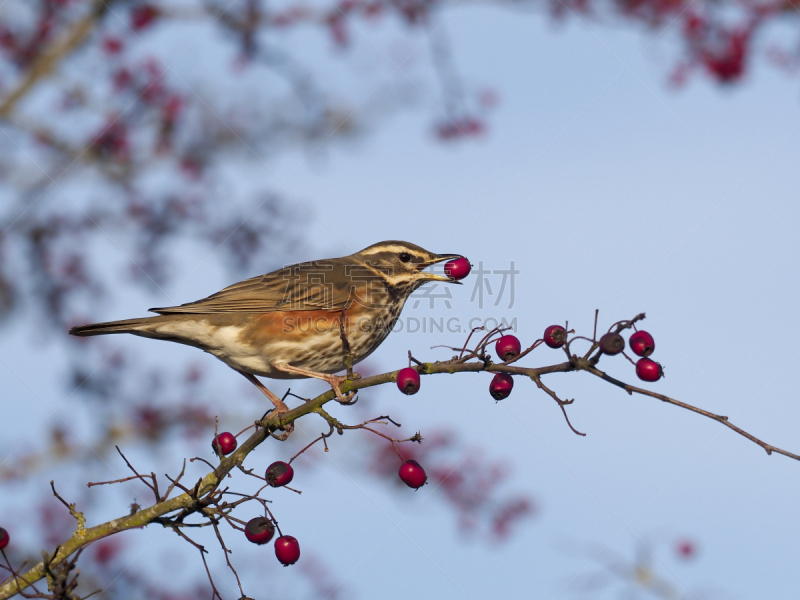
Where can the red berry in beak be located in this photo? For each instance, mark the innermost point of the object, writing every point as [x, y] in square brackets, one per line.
[458, 268]
[279, 474]
[612, 343]
[555, 336]
[259, 530]
[287, 549]
[408, 381]
[642, 343]
[649, 370]
[508, 347]
[224, 443]
[501, 386]
[412, 474]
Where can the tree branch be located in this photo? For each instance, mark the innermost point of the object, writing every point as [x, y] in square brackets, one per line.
[196, 500]
[769, 448]
[47, 61]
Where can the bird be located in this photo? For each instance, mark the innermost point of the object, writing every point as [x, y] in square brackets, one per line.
[307, 320]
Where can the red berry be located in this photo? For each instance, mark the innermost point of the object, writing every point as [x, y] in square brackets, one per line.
[685, 549]
[112, 45]
[412, 474]
[508, 347]
[408, 381]
[4, 539]
[287, 550]
[224, 443]
[501, 386]
[612, 343]
[279, 474]
[143, 16]
[259, 530]
[642, 343]
[555, 336]
[649, 370]
[458, 268]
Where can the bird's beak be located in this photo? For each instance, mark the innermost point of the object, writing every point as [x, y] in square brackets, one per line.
[435, 276]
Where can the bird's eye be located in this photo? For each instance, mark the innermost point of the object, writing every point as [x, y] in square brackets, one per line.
[404, 257]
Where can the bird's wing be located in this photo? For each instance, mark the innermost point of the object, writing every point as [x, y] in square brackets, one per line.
[324, 285]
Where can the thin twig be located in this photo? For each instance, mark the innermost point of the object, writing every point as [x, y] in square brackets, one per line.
[143, 480]
[769, 448]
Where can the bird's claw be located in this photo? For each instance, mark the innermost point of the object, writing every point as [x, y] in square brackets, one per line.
[335, 381]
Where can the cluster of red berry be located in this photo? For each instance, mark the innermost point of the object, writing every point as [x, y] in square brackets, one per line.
[641, 344]
[612, 343]
[261, 529]
[508, 347]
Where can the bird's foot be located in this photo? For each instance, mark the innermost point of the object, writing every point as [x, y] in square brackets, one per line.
[335, 381]
[280, 405]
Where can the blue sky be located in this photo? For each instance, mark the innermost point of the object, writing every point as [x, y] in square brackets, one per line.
[609, 191]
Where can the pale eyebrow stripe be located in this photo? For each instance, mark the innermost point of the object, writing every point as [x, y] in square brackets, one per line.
[391, 249]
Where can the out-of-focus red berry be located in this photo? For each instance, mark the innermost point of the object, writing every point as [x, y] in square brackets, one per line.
[259, 530]
[649, 370]
[122, 78]
[287, 549]
[642, 343]
[728, 63]
[508, 347]
[488, 98]
[112, 45]
[4, 538]
[685, 549]
[612, 343]
[224, 443]
[106, 550]
[460, 128]
[279, 474]
[457, 268]
[412, 474]
[555, 336]
[143, 16]
[501, 386]
[408, 381]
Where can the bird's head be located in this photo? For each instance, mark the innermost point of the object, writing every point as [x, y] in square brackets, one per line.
[403, 264]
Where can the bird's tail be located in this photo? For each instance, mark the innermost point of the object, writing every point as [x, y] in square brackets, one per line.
[126, 326]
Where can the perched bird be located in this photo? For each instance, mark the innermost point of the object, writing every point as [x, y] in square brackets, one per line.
[299, 321]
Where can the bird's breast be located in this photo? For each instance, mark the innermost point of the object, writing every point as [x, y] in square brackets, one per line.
[311, 339]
